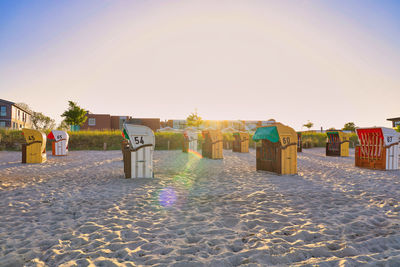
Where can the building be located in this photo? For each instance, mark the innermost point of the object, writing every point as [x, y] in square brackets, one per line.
[239, 125]
[176, 124]
[152, 123]
[13, 116]
[103, 122]
[395, 121]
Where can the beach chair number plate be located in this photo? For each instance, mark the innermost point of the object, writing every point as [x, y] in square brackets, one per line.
[31, 138]
[286, 140]
[138, 140]
[389, 139]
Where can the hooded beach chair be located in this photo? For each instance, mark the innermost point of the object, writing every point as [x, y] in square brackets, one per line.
[34, 151]
[137, 151]
[278, 150]
[60, 142]
[378, 148]
[190, 139]
[240, 142]
[212, 147]
[338, 144]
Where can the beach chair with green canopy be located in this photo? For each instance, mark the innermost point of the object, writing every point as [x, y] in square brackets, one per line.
[278, 150]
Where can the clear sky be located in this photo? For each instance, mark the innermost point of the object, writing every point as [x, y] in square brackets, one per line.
[329, 62]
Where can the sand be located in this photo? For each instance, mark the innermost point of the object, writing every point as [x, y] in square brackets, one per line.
[79, 211]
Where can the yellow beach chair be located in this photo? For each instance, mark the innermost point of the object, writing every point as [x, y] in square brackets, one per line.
[278, 151]
[34, 151]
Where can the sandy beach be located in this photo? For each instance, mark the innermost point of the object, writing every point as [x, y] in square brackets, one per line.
[79, 211]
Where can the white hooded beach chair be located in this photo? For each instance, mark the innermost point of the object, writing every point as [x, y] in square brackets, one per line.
[190, 140]
[60, 142]
[138, 151]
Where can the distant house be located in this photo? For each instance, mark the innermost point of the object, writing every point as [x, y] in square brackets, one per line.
[252, 125]
[176, 124]
[395, 121]
[13, 116]
[152, 123]
[103, 122]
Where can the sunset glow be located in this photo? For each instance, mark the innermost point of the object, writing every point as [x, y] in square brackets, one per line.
[254, 60]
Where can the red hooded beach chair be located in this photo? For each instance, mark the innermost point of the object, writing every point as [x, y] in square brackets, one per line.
[378, 148]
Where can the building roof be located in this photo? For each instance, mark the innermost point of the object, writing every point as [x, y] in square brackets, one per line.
[16, 105]
[27, 111]
[8, 102]
[394, 119]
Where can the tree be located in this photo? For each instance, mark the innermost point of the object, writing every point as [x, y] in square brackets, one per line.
[63, 126]
[194, 119]
[350, 126]
[24, 106]
[74, 115]
[308, 125]
[42, 122]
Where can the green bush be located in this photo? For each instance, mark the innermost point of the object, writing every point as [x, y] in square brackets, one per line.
[313, 140]
[11, 140]
[94, 140]
[319, 140]
[353, 140]
[175, 140]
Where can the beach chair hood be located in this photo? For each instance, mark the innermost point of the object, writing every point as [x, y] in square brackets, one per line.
[58, 135]
[190, 134]
[389, 136]
[275, 133]
[342, 136]
[138, 135]
[34, 136]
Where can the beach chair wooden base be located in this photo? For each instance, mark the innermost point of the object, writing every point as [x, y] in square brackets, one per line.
[185, 146]
[332, 152]
[23, 153]
[240, 142]
[268, 157]
[141, 159]
[377, 163]
[212, 151]
[240, 148]
[126, 155]
[212, 147]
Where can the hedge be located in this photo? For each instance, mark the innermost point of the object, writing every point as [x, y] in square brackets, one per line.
[95, 140]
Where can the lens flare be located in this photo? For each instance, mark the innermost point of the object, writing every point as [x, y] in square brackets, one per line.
[182, 182]
[167, 197]
[195, 153]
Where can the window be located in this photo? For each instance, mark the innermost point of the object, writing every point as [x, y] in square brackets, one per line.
[2, 124]
[13, 125]
[92, 122]
[3, 111]
[18, 114]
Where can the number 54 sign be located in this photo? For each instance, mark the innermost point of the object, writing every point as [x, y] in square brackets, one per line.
[138, 140]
